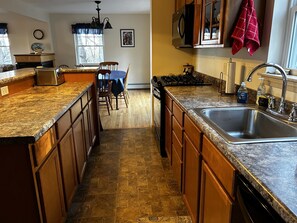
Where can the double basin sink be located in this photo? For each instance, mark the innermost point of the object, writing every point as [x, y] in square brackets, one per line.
[247, 125]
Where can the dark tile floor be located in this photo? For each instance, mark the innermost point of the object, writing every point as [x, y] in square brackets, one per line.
[125, 181]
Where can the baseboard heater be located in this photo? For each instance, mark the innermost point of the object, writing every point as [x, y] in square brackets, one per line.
[139, 86]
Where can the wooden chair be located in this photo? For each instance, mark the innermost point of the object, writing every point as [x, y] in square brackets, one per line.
[125, 94]
[110, 65]
[104, 85]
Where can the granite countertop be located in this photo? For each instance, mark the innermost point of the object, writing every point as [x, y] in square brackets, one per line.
[270, 167]
[79, 70]
[27, 115]
[15, 75]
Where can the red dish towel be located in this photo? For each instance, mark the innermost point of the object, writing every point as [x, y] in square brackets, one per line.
[246, 32]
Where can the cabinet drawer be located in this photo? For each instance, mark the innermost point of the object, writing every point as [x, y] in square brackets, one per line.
[178, 130]
[43, 146]
[75, 110]
[63, 124]
[222, 168]
[194, 133]
[178, 113]
[177, 146]
[168, 102]
[84, 99]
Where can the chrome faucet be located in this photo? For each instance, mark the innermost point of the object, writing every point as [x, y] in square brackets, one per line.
[281, 108]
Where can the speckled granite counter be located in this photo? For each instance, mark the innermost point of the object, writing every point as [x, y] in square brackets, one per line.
[15, 75]
[79, 70]
[270, 167]
[27, 115]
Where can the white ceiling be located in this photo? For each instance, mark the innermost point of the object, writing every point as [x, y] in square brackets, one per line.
[89, 6]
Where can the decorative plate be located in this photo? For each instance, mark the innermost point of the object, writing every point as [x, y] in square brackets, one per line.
[37, 47]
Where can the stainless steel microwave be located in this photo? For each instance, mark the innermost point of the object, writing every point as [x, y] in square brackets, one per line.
[182, 27]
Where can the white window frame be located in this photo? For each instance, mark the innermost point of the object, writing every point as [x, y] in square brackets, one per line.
[8, 46]
[292, 13]
[77, 55]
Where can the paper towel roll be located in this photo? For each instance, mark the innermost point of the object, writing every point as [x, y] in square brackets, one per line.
[230, 78]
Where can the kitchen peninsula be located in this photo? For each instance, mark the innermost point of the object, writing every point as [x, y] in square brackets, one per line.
[46, 136]
[269, 167]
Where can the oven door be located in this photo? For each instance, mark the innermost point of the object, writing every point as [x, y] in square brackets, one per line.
[159, 121]
[157, 112]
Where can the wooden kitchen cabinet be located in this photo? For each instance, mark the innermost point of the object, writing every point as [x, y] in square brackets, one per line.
[93, 121]
[50, 182]
[168, 127]
[69, 174]
[197, 23]
[217, 185]
[79, 145]
[87, 128]
[211, 22]
[177, 143]
[191, 167]
[181, 3]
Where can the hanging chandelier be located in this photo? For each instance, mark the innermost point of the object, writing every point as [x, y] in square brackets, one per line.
[96, 23]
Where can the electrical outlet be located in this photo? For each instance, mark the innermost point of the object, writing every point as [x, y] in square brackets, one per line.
[4, 90]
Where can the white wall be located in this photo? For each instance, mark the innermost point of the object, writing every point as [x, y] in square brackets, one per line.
[138, 57]
[20, 33]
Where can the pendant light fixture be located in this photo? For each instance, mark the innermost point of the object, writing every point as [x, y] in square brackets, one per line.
[96, 23]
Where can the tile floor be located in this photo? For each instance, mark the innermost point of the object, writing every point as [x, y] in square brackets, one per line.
[126, 181]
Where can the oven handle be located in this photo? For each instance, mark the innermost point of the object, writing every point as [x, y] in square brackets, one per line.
[156, 94]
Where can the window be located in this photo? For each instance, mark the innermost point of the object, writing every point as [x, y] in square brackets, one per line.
[89, 49]
[291, 52]
[5, 57]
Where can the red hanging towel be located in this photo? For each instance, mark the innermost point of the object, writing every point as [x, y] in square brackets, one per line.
[246, 32]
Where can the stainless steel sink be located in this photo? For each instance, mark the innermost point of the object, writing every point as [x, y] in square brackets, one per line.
[247, 125]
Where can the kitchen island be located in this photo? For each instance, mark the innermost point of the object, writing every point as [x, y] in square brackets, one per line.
[46, 136]
[269, 167]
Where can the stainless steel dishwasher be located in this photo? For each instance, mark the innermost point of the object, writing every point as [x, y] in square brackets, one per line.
[251, 207]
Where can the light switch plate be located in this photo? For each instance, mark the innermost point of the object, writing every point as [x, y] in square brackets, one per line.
[4, 91]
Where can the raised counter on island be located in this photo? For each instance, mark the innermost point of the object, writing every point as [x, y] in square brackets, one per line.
[46, 136]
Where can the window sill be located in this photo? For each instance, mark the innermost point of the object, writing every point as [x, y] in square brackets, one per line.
[275, 80]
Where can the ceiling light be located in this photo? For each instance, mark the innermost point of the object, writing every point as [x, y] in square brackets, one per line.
[96, 23]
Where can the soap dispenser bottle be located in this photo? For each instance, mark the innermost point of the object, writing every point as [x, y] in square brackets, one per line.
[242, 93]
[261, 90]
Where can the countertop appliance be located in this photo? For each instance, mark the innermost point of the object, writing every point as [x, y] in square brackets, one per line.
[158, 84]
[182, 27]
[250, 206]
[49, 76]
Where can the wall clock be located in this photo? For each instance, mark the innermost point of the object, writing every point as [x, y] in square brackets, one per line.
[38, 34]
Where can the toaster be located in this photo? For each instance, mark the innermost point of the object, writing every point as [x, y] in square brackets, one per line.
[49, 76]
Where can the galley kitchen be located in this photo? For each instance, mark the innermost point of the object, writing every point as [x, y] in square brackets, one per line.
[202, 130]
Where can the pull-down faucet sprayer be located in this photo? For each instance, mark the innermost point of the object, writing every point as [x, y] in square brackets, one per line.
[281, 108]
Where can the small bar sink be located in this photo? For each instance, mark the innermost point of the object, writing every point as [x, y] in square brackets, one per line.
[247, 125]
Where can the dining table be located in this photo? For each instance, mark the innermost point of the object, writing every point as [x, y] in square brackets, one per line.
[117, 78]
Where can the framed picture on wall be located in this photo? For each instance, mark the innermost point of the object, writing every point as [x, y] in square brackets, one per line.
[127, 38]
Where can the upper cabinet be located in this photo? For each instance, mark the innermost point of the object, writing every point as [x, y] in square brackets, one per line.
[211, 22]
[181, 3]
[215, 20]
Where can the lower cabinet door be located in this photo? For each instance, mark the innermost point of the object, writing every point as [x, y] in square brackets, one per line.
[69, 175]
[51, 191]
[168, 132]
[191, 186]
[88, 137]
[93, 120]
[79, 145]
[215, 205]
[177, 167]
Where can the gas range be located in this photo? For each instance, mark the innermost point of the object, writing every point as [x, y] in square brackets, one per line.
[178, 80]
